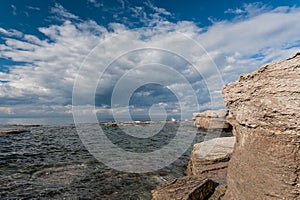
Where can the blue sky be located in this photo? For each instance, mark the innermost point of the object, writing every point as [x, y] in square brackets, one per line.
[45, 44]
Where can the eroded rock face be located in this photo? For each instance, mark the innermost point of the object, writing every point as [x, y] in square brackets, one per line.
[186, 188]
[210, 159]
[206, 173]
[265, 108]
[211, 119]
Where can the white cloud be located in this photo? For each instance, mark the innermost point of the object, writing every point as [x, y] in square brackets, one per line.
[61, 13]
[6, 110]
[95, 3]
[158, 11]
[45, 82]
[235, 11]
[11, 32]
[14, 9]
[249, 10]
[33, 8]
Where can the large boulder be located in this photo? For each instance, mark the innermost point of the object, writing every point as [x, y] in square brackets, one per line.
[265, 106]
[185, 188]
[206, 172]
[210, 158]
[211, 119]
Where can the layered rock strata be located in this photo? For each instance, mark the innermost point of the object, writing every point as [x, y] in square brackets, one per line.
[206, 172]
[186, 188]
[211, 119]
[210, 158]
[265, 108]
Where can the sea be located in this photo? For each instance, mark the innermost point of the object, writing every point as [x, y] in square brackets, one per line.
[49, 161]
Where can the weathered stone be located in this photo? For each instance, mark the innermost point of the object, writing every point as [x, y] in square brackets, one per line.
[211, 119]
[210, 158]
[186, 188]
[265, 106]
[219, 192]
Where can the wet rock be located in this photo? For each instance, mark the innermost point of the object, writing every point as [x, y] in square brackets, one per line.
[210, 159]
[186, 188]
[211, 119]
[265, 107]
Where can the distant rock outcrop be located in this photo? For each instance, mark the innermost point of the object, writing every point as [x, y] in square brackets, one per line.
[211, 119]
[13, 129]
[265, 107]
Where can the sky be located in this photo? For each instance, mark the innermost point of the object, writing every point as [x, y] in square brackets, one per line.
[138, 58]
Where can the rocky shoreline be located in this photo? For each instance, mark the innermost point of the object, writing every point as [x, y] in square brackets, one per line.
[262, 161]
[206, 173]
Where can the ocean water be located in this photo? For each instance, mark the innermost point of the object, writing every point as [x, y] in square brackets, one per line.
[50, 162]
[59, 121]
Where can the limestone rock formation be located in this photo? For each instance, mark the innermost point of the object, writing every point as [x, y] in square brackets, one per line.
[206, 172]
[186, 188]
[211, 119]
[265, 108]
[210, 158]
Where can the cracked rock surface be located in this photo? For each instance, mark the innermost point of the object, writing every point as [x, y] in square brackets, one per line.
[265, 109]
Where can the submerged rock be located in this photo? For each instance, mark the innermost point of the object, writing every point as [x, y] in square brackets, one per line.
[265, 107]
[186, 188]
[62, 175]
[13, 129]
[211, 119]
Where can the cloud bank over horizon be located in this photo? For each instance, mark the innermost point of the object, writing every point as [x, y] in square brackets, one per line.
[39, 74]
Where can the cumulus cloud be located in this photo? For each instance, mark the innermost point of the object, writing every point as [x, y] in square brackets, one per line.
[43, 77]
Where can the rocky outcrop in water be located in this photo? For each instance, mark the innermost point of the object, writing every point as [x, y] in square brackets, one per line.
[13, 129]
[265, 106]
[211, 119]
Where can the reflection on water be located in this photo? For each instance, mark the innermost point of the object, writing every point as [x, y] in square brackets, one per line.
[51, 162]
